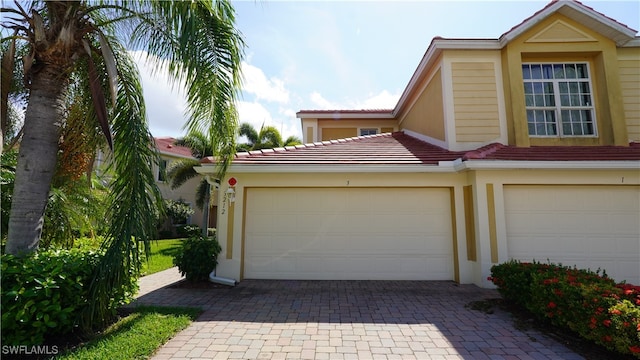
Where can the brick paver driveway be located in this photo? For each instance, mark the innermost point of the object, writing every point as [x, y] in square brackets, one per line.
[348, 320]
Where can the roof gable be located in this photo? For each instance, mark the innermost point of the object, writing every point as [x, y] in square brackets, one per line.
[602, 24]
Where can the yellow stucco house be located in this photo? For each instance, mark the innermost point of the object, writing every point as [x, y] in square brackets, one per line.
[523, 147]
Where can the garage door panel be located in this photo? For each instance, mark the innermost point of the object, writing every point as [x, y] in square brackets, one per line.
[590, 227]
[349, 233]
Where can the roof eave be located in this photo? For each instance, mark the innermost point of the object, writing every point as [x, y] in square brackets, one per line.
[556, 164]
[447, 167]
[339, 114]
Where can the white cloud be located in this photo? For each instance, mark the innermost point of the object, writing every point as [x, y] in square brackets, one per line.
[321, 103]
[166, 104]
[382, 100]
[256, 82]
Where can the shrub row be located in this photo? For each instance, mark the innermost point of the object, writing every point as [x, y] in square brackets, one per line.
[586, 302]
[45, 293]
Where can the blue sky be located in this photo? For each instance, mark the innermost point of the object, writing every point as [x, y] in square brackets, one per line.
[345, 54]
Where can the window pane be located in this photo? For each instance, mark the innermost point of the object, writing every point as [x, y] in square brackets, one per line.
[528, 99]
[584, 87]
[577, 129]
[539, 100]
[570, 71]
[536, 72]
[581, 70]
[564, 88]
[574, 88]
[564, 100]
[528, 88]
[558, 71]
[547, 71]
[549, 100]
[586, 100]
[526, 72]
[537, 88]
[548, 88]
[551, 129]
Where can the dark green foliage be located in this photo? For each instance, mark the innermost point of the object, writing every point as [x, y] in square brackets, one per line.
[44, 293]
[198, 257]
[188, 231]
[590, 304]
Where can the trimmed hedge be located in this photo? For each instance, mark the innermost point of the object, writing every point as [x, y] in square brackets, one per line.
[586, 302]
[46, 292]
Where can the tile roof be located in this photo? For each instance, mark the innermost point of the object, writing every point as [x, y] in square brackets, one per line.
[166, 146]
[555, 153]
[401, 149]
[390, 148]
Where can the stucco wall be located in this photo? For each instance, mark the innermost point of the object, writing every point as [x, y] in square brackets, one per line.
[629, 61]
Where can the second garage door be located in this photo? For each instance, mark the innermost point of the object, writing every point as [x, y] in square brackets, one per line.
[589, 227]
[348, 234]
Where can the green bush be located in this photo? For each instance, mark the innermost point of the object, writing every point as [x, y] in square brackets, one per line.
[590, 304]
[45, 293]
[187, 231]
[198, 257]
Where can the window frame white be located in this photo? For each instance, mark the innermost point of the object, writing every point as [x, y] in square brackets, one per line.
[558, 108]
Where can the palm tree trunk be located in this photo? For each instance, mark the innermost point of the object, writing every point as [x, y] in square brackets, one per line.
[36, 160]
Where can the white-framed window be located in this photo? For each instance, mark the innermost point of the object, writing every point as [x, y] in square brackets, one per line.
[368, 131]
[162, 171]
[559, 100]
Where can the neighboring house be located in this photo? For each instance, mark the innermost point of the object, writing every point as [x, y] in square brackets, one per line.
[187, 192]
[523, 147]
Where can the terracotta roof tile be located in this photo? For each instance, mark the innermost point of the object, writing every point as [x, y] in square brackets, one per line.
[556, 153]
[391, 148]
[402, 149]
[166, 145]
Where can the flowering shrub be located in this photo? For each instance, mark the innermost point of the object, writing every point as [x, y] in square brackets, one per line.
[586, 302]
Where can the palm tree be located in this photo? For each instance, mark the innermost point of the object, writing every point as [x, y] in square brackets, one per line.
[267, 138]
[74, 50]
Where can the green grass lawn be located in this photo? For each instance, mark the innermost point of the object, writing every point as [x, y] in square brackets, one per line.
[136, 336]
[162, 252]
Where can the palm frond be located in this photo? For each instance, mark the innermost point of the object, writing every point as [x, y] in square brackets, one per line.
[205, 54]
[181, 171]
[134, 198]
[202, 192]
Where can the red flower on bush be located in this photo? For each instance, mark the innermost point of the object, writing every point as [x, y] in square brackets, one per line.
[551, 305]
[615, 312]
[606, 322]
[606, 338]
[634, 349]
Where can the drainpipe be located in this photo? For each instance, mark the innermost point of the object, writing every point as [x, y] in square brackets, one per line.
[221, 280]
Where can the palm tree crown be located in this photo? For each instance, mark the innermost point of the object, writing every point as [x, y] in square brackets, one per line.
[267, 138]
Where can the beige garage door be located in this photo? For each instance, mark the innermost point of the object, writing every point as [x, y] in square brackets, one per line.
[348, 233]
[591, 227]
